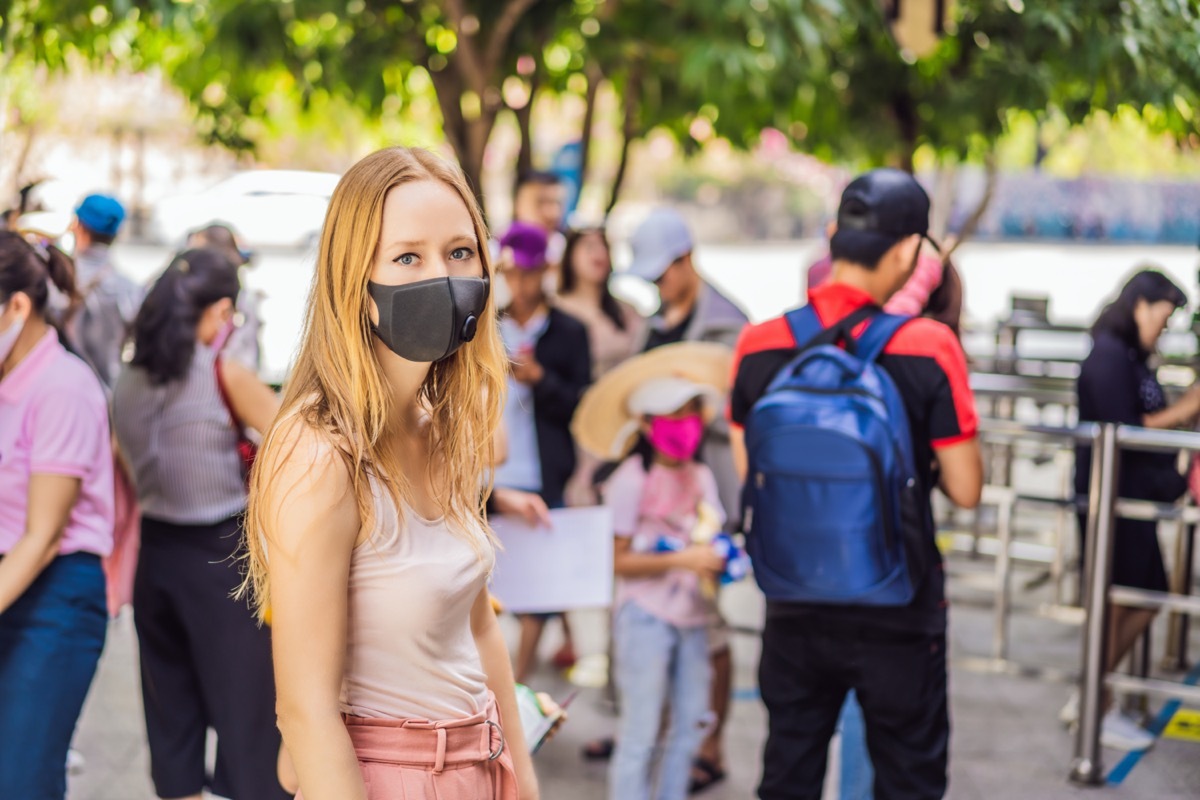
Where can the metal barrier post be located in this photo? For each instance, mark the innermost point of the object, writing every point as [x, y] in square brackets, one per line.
[1004, 536]
[1176, 656]
[1064, 522]
[1086, 768]
[1136, 704]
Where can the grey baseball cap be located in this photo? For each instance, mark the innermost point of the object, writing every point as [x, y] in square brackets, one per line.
[659, 242]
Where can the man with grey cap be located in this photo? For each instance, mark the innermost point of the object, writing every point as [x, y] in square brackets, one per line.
[693, 310]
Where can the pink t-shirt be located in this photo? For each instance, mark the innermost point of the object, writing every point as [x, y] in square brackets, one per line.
[912, 297]
[54, 420]
[661, 503]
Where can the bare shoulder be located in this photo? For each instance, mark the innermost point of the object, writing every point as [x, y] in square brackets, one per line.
[305, 482]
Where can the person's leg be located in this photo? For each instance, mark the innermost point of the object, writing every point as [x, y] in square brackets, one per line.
[856, 775]
[532, 626]
[176, 720]
[232, 656]
[901, 686]
[644, 648]
[50, 644]
[565, 658]
[803, 693]
[709, 767]
[691, 675]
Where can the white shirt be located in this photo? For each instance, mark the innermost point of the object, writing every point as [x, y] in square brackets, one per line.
[523, 468]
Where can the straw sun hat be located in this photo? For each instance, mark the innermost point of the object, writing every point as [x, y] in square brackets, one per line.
[658, 382]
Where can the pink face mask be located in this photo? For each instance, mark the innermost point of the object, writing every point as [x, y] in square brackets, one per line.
[677, 438]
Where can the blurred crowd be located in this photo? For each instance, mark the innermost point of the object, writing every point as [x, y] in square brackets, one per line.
[130, 418]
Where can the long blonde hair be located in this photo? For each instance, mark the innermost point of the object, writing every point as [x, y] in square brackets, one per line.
[338, 390]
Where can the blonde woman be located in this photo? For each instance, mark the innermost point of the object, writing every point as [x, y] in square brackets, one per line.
[366, 524]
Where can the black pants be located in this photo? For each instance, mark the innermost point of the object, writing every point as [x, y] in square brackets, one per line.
[206, 663]
[807, 667]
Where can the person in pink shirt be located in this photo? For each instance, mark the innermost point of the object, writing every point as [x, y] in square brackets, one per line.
[911, 300]
[56, 523]
[653, 413]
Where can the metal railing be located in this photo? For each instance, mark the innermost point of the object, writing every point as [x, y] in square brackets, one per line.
[1006, 499]
[1104, 508]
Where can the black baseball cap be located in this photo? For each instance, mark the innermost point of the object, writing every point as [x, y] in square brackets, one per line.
[886, 203]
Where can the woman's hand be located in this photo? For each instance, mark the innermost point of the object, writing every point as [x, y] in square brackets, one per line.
[493, 654]
[528, 371]
[527, 506]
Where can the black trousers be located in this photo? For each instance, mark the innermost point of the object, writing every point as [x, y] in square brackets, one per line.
[808, 665]
[206, 663]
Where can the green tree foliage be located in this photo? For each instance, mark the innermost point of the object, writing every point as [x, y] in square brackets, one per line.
[1076, 56]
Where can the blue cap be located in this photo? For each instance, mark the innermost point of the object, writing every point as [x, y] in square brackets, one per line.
[659, 242]
[101, 214]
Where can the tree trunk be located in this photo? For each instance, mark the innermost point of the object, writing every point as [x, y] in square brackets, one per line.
[447, 86]
[630, 131]
[595, 78]
[525, 125]
[972, 223]
[904, 112]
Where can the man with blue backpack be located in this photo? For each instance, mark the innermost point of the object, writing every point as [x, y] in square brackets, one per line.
[845, 419]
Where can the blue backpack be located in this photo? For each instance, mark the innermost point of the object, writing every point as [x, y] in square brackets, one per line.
[830, 508]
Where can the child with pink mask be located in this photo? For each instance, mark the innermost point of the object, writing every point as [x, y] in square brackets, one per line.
[654, 410]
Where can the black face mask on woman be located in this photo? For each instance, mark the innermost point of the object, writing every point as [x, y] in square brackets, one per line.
[429, 320]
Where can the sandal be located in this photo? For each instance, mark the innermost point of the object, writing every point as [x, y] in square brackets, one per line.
[711, 774]
[599, 749]
[565, 657]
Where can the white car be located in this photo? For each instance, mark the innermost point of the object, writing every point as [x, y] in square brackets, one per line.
[267, 208]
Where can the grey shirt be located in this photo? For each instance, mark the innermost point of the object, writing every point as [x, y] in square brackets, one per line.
[181, 444]
[102, 325]
[718, 319]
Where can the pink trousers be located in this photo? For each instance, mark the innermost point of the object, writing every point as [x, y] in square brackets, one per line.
[465, 759]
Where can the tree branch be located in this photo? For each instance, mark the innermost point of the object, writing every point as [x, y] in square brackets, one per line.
[510, 15]
[466, 56]
[594, 78]
[629, 127]
[972, 223]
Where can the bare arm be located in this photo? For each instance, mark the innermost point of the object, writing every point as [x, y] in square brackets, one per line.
[51, 498]
[962, 472]
[698, 558]
[737, 441]
[253, 401]
[311, 530]
[1182, 413]
[493, 654]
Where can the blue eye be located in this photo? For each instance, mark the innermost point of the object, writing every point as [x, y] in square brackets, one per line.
[462, 253]
[407, 260]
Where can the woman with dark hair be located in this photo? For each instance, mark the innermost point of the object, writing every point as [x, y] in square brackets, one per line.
[180, 412]
[613, 327]
[56, 523]
[1118, 384]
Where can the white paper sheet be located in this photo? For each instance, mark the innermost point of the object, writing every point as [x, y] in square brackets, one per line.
[561, 568]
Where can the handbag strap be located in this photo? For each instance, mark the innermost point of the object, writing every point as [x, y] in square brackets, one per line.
[224, 392]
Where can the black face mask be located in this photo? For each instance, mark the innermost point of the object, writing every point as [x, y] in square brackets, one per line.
[428, 320]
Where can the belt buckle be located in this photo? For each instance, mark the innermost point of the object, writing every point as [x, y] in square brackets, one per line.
[492, 756]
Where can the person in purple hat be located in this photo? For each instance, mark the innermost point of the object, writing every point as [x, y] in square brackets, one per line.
[551, 367]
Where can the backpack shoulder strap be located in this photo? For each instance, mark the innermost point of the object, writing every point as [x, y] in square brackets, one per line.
[805, 324]
[870, 345]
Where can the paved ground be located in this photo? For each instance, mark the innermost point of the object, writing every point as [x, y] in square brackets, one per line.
[1006, 742]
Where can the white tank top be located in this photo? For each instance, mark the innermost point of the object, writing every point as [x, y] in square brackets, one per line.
[410, 650]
